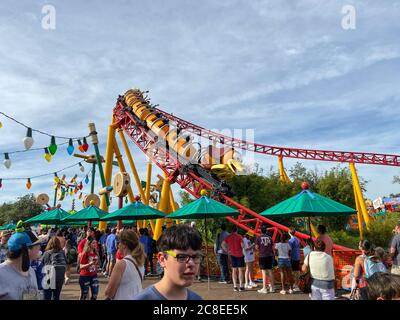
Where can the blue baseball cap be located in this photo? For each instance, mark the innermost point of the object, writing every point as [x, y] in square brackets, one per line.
[23, 239]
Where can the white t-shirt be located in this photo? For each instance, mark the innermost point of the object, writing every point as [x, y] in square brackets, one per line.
[283, 250]
[248, 253]
[15, 285]
[321, 266]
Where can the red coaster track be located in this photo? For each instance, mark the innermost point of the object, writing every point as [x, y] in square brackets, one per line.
[187, 178]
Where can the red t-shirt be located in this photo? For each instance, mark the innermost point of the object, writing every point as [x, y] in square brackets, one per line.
[82, 244]
[234, 242]
[91, 270]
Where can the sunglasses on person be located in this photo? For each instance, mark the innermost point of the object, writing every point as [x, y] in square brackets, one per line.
[184, 258]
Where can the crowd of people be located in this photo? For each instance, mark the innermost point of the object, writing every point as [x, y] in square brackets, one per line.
[38, 265]
[285, 255]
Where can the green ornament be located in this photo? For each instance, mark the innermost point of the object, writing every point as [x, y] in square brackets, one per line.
[53, 146]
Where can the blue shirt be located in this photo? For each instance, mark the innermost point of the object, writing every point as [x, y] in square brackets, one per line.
[151, 293]
[147, 243]
[111, 243]
[37, 266]
[295, 245]
[102, 239]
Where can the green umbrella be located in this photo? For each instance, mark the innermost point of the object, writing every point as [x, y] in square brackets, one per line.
[54, 216]
[88, 214]
[8, 226]
[204, 208]
[135, 211]
[308, 204]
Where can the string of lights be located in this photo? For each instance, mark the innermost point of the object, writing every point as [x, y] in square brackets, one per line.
[50, 150]
[38, 131]
[45, 174]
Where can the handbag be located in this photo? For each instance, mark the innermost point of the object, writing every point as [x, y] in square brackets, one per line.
[305, 279]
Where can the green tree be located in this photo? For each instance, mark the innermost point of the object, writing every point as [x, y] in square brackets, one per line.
[380, 229]
[336, 184]
[24, 208]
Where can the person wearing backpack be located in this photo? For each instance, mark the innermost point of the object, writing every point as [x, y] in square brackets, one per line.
[54, 257]
[320, 265]
[366, 265]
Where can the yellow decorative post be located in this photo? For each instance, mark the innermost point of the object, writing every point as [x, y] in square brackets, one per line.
[358, 194]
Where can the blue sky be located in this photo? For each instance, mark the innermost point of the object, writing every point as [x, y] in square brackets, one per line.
[286, 69]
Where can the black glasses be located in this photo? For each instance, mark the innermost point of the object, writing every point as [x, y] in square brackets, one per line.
[184, 258]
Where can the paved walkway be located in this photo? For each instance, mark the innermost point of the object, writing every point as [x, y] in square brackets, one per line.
[217, 291]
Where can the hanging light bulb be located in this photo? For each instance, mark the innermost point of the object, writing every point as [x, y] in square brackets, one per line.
[28, 183]
[87, 180]
[53, 146]
[85, 145]
[81, 167]
[1, 125]
[56, 179]
[70, 148]
[80, 146]
[71, 192]
[80, 186]
[80, 196]
[7, 161]
[28, 140]
[47, 155]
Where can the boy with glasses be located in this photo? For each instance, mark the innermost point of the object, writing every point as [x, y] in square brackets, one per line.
[180, 257]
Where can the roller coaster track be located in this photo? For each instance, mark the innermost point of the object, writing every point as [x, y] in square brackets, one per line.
[188, 177]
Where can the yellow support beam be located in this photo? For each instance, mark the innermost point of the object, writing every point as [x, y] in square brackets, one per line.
[147, 193]
[282, 173]
[122, 168]
[359, 216]
[358, 194]
[108, 168]
[132, 164]
[314, 231]
[173, 206]
[164, 205]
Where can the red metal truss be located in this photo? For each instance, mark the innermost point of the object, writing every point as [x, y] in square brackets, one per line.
[307, 154]
[247, 220]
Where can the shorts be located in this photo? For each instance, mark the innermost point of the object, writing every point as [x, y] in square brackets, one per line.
[284, 263]
[266, 263]
[295, 265]
[237, 262]
[111, 257]
[249, 258]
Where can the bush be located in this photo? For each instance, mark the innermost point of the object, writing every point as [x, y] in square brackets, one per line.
[380, 229]
[346, 239]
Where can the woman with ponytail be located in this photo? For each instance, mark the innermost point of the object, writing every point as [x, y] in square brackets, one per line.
[127, 276]
[18, 280]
